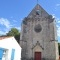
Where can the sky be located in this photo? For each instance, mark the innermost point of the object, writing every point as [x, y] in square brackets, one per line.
[12, 12]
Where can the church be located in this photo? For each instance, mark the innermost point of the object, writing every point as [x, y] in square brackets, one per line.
[39, 36]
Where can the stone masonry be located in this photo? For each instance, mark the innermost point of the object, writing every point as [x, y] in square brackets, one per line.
[38, 34]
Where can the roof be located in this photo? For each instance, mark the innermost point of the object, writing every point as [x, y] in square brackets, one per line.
[3, 37]
[11, 42]
[34, 10]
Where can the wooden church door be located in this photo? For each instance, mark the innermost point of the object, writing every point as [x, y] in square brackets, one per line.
[37, 55]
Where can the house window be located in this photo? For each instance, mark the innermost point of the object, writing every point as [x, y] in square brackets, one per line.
[5, 54]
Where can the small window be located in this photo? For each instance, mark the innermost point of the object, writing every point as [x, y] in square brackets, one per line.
[24, 22]
[5, 54]
[38, 12]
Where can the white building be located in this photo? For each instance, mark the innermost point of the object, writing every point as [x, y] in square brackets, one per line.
[9, 49]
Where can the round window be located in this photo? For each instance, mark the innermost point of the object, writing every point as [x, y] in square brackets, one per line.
[38, 28]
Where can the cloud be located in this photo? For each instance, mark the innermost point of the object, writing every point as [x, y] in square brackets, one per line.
[19, 28]
[57, 24]
[56, 18]
[58, 31]
[58, 21]
[2, 32]
[57, 5]
[14, 20]
[53, 15]
[7, 25]
[5, 22]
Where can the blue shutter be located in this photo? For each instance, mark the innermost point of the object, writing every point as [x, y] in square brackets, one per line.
[12, 54]
[1, 53]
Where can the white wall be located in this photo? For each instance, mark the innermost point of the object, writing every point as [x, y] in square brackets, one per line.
[11, 43]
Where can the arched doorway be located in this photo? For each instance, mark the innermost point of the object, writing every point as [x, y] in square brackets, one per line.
[38, 56]
[37, 51]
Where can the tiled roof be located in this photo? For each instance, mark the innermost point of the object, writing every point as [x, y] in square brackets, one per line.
[3, 37]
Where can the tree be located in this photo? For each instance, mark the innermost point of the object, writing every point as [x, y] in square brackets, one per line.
[14, 32]
[59, 47]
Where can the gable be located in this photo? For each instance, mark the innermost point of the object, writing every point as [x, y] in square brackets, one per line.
[10, 43]
[38, 9]
[37, 48]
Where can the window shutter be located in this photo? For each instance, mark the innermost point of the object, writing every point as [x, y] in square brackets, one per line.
[1, 53]
[12, 54]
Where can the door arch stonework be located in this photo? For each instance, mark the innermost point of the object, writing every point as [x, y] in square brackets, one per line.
[37, 48]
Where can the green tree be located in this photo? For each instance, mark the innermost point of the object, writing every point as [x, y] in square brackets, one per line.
[14, 32]
[59, 47]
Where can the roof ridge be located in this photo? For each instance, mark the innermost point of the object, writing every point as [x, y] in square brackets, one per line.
[3, 37]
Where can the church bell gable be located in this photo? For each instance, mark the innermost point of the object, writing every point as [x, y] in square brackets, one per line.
[38, 11]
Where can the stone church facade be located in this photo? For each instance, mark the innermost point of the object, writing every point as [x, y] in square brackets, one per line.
[39, 36]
